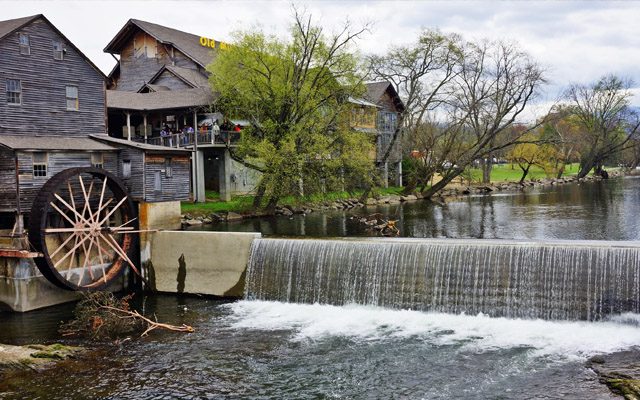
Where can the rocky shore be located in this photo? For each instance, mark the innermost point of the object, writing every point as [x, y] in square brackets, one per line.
[620, 371]
[450, 193]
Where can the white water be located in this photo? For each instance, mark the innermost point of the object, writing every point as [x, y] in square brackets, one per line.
[558, 339]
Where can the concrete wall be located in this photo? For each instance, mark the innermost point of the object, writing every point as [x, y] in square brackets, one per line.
[23, 288]
[161, 215]
[212, 263]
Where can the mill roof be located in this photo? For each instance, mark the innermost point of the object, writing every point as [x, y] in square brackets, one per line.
[53, 143]
[160, 100]
[187, 43]
[137, 145]
[375, 91]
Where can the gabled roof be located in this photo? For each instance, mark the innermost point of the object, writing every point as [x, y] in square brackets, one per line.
[9, 26]
[162, 100]
[375, 91]
[187, 43]
[52, 143]
[136, 145]
[189, 76]
[152, 88]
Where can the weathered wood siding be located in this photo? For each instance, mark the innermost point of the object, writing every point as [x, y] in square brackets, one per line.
[176, 187]
[169, 80]
[57, 162]
[136, 71]
[135, 182]
[43, 79]
[7, 181]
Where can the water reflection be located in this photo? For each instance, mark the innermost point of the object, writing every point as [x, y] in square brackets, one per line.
[594, 211]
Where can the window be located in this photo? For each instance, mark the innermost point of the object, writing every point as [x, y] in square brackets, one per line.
[25, 47]
[72, 98]
[157, 183]
[97, 160]
[14, 91]
[58, 50]
[126, 169]
[168, 171]
[39, 165]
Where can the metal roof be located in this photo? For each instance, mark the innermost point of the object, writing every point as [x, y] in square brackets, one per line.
[142, 146]
[53, 143]
[161, 100]
[187, 43]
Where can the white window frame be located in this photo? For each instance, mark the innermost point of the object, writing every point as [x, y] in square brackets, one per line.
[75, 100]
[58, 50]
[18, 91]
[25, 48]
[97, 160]
[37, 172]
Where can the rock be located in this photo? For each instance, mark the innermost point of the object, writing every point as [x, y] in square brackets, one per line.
[620, 371]
[34, 356]
[192, 222]
[409, 197]
[231, 216]
[207, 220]
[216, 217]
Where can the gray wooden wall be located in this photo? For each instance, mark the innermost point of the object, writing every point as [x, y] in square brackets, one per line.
[44, 106]
[136, 71]
[176, 187]
[7, 181]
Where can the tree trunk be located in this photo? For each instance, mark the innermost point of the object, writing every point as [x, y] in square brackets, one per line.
[487, 164]
[438, 186]
[257, 200]
[525, 172]
[560, 171]
[585, 166]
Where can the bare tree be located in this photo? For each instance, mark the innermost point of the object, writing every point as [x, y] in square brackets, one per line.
[491, 91]
[420, 74]
[602, 110]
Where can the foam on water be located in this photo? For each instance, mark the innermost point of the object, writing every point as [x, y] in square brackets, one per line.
[565, 339]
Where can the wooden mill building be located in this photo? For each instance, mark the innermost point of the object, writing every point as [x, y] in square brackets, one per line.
[160, 81]
[53, 117]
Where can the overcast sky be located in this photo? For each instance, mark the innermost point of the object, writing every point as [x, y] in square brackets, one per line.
[576, 41]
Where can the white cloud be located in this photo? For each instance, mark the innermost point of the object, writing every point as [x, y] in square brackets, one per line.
[575, 41]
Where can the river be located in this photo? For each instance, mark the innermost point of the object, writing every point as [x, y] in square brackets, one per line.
[273, 350]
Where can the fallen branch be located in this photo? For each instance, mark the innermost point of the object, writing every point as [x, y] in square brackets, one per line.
[151, 325]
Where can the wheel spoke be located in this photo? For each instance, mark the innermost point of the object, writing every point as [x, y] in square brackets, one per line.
[116, 247]
[87, 196]
[113, 210]
[71, 259]
[104, 186]
[74, 248]
[62, 245]
[87, 254]
[73, 201]
[63, 214]
[57, 196]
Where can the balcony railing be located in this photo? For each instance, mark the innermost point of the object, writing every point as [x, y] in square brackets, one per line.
[178, 140]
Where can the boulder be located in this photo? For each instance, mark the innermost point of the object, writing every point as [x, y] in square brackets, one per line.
[192, 222]
[231, 216]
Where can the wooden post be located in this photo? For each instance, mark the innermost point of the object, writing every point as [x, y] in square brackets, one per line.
[196, 166]
[128, 126]
[144, 117]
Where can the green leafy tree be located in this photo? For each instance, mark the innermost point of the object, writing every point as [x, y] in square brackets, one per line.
[295, 91]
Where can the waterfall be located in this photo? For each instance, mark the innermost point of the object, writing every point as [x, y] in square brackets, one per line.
[560, 280]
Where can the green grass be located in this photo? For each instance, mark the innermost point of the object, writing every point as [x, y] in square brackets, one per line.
[242, 204]
[513, 173]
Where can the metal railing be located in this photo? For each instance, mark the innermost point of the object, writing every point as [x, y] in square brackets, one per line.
[178, 140]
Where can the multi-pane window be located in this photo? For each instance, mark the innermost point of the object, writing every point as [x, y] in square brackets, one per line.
[97, 160]
[72, 98]
[168, 171]
[25, 47]
[14, 91]
[39, 165]
[58, 50]
[387, 121]
[126, 169]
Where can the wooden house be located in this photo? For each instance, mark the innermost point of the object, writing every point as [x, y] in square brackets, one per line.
[377, 113]
[53, 117]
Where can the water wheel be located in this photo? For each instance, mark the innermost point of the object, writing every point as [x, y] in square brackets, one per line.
[83, 223]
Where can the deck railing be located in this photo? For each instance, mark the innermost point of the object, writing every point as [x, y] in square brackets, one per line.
[178, 140]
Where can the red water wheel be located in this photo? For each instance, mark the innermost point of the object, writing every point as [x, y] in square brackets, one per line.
[83, 223]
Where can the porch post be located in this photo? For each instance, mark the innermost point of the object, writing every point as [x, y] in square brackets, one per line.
[144, 116]
[128, 125]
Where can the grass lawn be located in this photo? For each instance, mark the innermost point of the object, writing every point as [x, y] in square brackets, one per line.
[512, 173]
[241, 204]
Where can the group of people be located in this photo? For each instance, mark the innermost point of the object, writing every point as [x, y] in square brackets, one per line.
[167, 134]
[182, 136]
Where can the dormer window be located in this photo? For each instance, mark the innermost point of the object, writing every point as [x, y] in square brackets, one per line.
[58, 50]
[25, 46]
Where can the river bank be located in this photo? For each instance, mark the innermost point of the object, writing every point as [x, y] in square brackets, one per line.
[450, 193]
